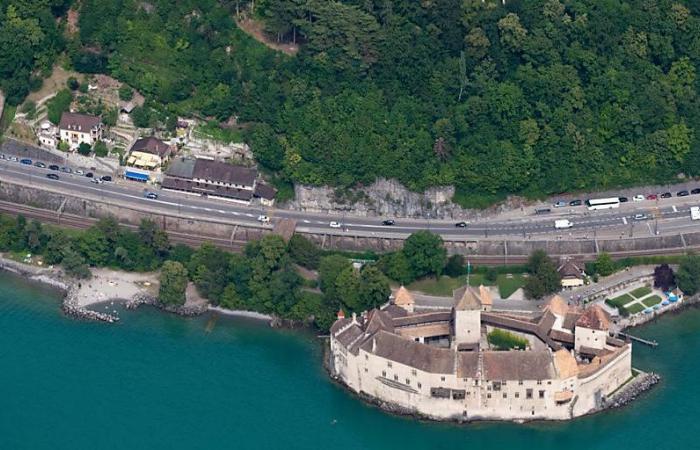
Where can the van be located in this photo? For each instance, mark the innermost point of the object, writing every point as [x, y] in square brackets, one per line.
[562, 224]
[695, 213]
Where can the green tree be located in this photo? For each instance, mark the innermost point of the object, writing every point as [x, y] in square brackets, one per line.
[397, 267]
[329, 269]
[604, 265]
[125, 93]
[74, 264]
[141, 116]
[425, 253]
[84, 149]
[544, 278]
[59, 104]
[110, 117]
[173, 283]
[100, 149]
[456, 266]
[688, 275]
[374, 288]
[57, 242]
[73, 84]
[304, 252]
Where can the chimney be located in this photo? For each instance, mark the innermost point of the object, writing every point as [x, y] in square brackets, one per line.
[341, 314]
[354, 318]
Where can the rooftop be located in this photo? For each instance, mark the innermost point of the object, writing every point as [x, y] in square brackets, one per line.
[594, 318]
[518, 365]
[205, 169]
[403, 297]
[78, 122]
[151, 145]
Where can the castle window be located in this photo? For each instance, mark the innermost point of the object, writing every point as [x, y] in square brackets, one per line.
[420, 385]
[505, 395]
[442, 378]
[541, 394]
[408, 381]
[517, 395]
[413, 372]
[388, 363]
[496, 385]
[520, 382]
[488, 395]
[384, 373]
[549, 382]
[539, 381]
[396, 378]
[458, 394]
[365, 370]
[528, 393]
[366, 357]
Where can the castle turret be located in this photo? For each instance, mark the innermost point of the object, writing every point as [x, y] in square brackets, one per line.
[404, 299]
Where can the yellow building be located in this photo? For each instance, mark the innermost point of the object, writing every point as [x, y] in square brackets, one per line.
[149, 153]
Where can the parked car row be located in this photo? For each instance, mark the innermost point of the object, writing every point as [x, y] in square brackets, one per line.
[55, 167]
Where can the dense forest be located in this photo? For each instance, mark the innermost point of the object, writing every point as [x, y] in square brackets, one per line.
[532, 97]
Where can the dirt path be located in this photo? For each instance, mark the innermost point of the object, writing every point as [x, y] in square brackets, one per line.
[255, 30]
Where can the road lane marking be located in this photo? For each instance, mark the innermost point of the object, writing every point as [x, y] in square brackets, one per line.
[624, 220]
[675, 210]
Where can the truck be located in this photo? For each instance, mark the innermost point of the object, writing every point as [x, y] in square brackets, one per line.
[695, 212]
[562, 224]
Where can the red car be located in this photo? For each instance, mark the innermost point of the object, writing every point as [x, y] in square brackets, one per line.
[652, 197]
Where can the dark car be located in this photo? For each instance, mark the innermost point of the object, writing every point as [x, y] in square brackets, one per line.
[89, 175]
[543, 211]
[623, 199]
[652, 197]
[53, 167]
[52, 176]
[695, 191]
[39, 164]
[682, 194]
[575, 203]
[461, 224]
[66, 169]
[388, 222]
[666, 195]
[26, 161]
[106, 178]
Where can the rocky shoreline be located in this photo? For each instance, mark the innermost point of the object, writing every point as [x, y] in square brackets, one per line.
[640, 384]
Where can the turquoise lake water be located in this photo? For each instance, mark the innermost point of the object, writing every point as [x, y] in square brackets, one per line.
[157, 381]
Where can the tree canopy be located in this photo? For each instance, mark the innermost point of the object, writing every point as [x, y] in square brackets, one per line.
[532, 97]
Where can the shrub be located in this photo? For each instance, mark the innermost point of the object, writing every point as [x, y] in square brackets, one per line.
[59, 104]
[455, 266]
[125, 93]
[73, 84]
[84, 149]
[101, 149]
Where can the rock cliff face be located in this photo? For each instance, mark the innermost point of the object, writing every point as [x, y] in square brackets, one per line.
[389, 198]
[382, 198]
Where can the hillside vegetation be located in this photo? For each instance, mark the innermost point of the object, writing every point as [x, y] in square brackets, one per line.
[534, 97]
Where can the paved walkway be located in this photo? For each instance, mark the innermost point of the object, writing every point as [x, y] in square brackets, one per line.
[606, 283]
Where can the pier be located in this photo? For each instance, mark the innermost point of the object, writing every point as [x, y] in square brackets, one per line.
[638, 339]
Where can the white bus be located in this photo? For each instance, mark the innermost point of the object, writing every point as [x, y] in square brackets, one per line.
[603, 203]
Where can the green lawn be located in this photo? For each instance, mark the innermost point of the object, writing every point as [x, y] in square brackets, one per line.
[445, 285]
[506, 286]
[637, 307]
[620, 301]
[651, 301]
[641, 292]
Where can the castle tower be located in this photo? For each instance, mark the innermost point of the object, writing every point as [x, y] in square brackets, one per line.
[466, 316]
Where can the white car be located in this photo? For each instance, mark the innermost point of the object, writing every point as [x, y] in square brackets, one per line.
[335, 224]
[96, 181]
[638, 198]
[263, 219]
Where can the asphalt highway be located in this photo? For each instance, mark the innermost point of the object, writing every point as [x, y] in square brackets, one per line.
[663, 216]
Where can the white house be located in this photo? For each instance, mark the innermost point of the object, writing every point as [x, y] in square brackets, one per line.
[76, 129]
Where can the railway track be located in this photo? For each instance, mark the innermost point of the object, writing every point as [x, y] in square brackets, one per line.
[79, 222]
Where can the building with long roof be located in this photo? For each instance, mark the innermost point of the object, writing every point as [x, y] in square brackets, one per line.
[440, 364]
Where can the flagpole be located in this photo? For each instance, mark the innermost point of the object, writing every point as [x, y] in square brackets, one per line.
[469, 271]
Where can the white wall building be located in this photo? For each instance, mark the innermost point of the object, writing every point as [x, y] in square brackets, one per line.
[75, 129]
[399, 357]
